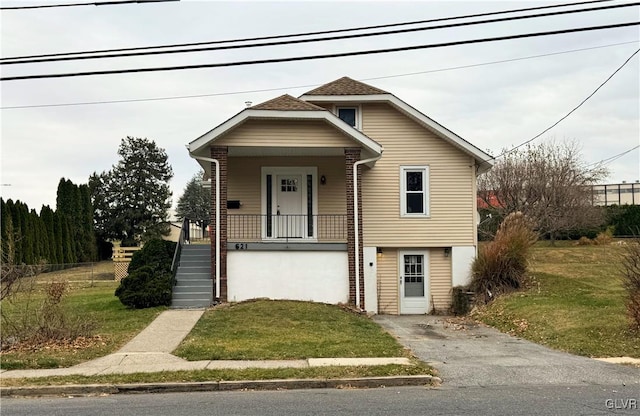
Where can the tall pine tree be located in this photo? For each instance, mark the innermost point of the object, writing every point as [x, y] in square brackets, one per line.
[46, 214]
[132, 200]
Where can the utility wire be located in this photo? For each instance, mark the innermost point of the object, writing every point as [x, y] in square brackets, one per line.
[574, 109]
[323, 32]
[313, 40]
[315, 57]
[611, 159]
[178, 97]
[99, 3]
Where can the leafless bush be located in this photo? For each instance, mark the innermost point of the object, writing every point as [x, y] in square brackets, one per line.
[35, 319]
[501, 264]
[549, 183]
[13, 275]
[631, 281]
[584, 241]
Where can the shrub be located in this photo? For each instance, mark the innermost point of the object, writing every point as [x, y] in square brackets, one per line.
[604, 238]
[501, 264]
[145, 288]
[460, 301]
[584, 241]
[157, 254]
[631, 281]
[150, 280]
[625, 219]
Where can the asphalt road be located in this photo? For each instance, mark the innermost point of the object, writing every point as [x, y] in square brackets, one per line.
[495, 400]
[477, 355]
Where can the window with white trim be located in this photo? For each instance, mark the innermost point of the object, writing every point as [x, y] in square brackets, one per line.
[349, 115]
[414, 193]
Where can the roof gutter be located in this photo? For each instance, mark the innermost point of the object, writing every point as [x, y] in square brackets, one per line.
[217, 237]
[356, 223]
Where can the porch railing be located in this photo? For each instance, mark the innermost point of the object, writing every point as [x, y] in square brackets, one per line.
[184, 237]
[256, 227]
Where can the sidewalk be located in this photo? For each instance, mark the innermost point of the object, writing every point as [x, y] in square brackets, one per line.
[150, 351]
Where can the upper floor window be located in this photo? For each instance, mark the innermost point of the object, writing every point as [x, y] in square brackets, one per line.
[414, 194]
[349, 115]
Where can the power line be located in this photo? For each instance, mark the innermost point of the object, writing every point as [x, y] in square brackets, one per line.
[178, 97]
[313, 40]
[611, 159]
[574, 109]
[315, 57]
[99, 3]
[324, 32]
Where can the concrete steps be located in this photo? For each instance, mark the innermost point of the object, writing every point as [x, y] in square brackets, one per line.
[194, 287]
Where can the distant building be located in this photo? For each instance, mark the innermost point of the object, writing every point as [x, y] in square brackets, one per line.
[617, 194]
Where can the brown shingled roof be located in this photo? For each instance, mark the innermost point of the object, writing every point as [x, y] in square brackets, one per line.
[346, 86]
[286, 102]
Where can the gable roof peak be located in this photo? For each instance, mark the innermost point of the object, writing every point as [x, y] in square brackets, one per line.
[346, 86]
[286, 103]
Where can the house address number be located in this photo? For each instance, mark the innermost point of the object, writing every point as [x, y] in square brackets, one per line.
[242, 246]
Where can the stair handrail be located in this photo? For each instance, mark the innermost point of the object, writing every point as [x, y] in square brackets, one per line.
[184, 236]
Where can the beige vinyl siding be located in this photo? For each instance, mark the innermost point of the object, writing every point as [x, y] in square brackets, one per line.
[439, 280]
[285, 133]
[245, 182]
[451, 185]
[388, 296]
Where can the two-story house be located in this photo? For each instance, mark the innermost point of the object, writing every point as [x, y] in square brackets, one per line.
[346, 194]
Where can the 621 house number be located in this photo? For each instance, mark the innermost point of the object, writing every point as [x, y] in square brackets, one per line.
[242, 246]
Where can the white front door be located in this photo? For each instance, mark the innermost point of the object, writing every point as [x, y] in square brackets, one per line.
[414, 287]
[291, 207]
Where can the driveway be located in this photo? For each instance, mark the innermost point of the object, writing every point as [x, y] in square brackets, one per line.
[476, 355]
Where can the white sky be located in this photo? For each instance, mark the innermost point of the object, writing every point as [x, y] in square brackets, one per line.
[493, 106]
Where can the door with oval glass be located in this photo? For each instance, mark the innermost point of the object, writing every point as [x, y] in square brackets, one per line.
[414, 287]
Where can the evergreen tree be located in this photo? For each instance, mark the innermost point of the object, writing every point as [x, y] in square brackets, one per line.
[26, 238]
[46, 214]
[89, 244]
[195, 202]
[74, 203]
[7, 233]
[34, 232]
[58, 237]
[68, 252]
[131, 202]
[14, 212]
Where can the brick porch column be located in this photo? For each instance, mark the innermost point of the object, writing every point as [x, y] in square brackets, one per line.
[219, 153]
[352, 155]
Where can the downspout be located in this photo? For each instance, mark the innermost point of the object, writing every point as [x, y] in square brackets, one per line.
[217, 163]
[356, 223]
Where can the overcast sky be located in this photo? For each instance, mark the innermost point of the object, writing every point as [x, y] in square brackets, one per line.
[493, 106]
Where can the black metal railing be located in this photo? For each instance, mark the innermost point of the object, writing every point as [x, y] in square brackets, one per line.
[184, 236]
[256, 227]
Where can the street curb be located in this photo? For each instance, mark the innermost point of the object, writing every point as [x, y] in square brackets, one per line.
[286, 384]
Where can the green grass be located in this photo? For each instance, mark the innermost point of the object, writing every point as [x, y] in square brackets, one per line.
[273, 330]
[86, 272]
[575, 303]
[115, 325]
[228, 375]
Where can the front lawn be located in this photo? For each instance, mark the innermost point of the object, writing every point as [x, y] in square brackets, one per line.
[575, 303]
[279, 330]
[114, 325]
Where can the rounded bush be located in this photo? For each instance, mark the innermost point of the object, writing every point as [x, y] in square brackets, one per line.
[145, 288]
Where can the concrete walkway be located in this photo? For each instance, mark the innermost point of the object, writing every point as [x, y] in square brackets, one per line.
[150, 351]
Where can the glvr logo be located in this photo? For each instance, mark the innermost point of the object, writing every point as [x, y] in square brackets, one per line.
[626, 404]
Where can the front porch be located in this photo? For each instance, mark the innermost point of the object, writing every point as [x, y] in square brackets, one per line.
[286, 207]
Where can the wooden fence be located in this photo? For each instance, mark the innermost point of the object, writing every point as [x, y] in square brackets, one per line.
[121, 259]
